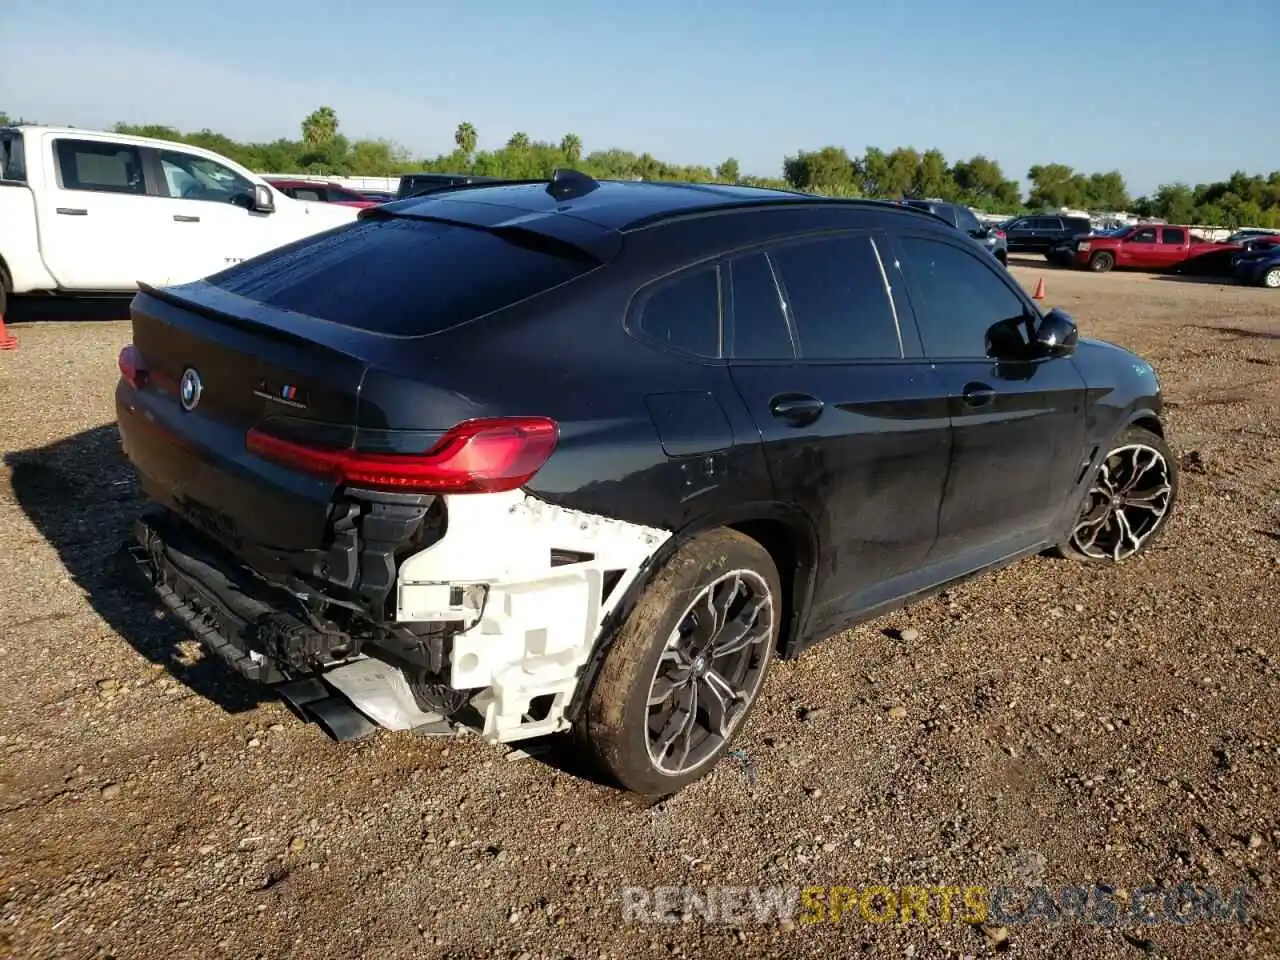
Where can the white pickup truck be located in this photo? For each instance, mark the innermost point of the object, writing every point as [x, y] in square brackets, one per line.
[83, 212]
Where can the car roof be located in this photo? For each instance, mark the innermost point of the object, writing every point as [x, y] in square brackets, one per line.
[289, 182]
[609, 204]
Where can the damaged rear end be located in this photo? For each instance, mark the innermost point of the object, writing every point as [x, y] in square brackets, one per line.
[331, 514]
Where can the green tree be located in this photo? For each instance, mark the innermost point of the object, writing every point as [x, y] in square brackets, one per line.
[1052, 186]
[827, 168]
[1175, 202]
[933, 177]
[571, 147]
[518, 141]
[729, 171]
[320, 126]
[466, 138]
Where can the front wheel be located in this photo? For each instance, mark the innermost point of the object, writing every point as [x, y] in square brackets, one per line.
[1129, 502]
[1101, 262]
[1271, 279]
[686, 666]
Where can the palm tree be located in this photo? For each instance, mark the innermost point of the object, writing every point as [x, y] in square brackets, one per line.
[519, 141]
[571, 147]
[466, 138]
[320, 127]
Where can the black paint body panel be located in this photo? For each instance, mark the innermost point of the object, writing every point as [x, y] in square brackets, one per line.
[895, 490]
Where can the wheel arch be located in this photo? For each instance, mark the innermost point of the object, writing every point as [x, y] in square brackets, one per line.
[1147, 420]
[786, 533]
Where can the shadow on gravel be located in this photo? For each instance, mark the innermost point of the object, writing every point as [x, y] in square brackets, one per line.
[81, 495]
[1240, 333]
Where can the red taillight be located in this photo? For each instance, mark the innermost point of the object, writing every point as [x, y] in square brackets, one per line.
[1000, 233]
[477, 456]
[131, 368]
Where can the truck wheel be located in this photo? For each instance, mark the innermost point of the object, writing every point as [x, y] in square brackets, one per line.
[685, 667]
[1101, 262]
[1271, 279]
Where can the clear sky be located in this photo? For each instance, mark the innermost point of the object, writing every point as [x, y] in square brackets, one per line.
[1159, 89]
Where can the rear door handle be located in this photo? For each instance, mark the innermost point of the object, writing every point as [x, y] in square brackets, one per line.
[796, 409]
[978, 394]
[73, 211]
[183, 218]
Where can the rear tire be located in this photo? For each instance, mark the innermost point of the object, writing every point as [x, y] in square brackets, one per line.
[1129, 502]
[1101, 262]
[1271, 279]
[665, 704]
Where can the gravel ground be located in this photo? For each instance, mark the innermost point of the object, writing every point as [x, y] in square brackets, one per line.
[1048, 723]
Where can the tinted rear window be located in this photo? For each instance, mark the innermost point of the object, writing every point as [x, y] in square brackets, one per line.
[403, 277]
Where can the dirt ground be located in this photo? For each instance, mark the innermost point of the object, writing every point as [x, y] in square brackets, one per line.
[1051, 724]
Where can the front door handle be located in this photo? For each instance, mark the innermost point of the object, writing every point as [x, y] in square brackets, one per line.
[796, 409]
[978, 394]
[184, 218]
[73, 211]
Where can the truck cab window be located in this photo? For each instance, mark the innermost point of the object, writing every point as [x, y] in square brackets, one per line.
[99, 166]
[189, 177]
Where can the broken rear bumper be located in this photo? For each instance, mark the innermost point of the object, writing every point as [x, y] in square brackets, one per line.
[508, 606]
[244, 623]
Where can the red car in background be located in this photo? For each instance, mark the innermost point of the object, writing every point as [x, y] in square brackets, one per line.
[1148, 246]
[320, 192]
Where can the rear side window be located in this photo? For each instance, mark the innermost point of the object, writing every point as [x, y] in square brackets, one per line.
[1172, 235]
[405, 278]
[837, 299]
[760, 328]
[13, 164]
[685, 315]
[101, 167]
[967, 220]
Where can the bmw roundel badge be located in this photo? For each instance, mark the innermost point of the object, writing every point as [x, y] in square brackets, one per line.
[189, 388]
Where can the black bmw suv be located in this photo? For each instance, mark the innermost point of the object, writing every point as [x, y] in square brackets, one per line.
[585, 456]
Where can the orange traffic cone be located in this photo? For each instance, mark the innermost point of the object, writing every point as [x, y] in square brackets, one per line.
[1039, 294]
[6, 341]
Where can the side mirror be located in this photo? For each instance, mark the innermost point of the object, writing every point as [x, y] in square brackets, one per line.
[263, 201]
[1056, 334]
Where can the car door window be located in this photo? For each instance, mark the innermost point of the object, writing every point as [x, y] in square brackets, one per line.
[837, 299]
[1146, 235]
[198, 178]
[307, 193]
[760, 327]
[685, 315]
[100, 167]
[1172, 235]
[963, 308]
